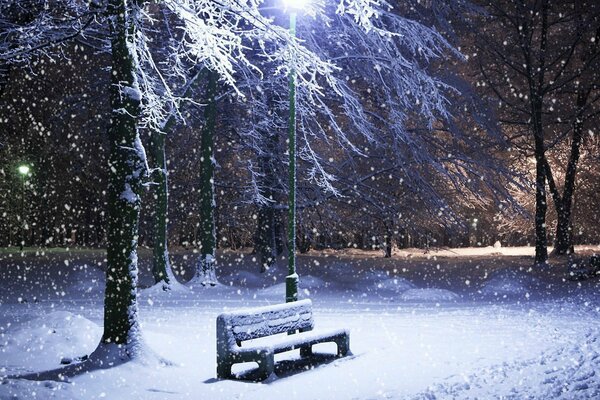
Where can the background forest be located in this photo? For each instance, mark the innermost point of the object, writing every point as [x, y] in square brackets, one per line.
[467, 178]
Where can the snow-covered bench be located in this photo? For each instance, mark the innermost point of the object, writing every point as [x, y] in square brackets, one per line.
[233, 328]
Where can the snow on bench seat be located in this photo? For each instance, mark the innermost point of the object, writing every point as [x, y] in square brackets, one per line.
[233, 328]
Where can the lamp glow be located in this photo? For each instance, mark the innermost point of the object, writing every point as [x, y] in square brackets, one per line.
[295, 5]
[23, 169]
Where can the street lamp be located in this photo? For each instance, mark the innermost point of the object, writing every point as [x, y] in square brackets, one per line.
[23, 172]
[291, 280]
[474, 225]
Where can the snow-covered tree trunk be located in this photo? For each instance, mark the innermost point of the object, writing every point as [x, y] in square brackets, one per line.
[205, 271]
[161, 266]
[127, 169]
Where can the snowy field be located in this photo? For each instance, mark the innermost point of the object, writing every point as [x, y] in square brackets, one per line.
[452, 324]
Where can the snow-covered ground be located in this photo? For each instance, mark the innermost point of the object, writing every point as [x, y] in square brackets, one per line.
[457, 323]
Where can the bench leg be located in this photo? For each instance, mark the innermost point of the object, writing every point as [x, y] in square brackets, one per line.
[266, 365]
[306, 351]
[343, 345]
[223, 370]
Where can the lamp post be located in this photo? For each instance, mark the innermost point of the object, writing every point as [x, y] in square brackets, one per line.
[475, 221]
[291, 280]
[23, 172]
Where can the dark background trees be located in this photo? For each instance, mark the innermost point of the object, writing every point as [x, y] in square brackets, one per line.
[411, 196]
[539, 60]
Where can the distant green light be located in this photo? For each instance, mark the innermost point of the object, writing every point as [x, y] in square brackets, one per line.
[23, 169]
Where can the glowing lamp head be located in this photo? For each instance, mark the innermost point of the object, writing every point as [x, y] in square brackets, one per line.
[23, 169]
[296, 5]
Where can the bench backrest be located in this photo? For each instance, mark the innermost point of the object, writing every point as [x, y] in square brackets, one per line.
[265, 321]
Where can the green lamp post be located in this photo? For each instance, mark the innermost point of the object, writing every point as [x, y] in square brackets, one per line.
[23, 173]
[291, 280]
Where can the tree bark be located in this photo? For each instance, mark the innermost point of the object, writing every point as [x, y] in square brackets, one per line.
[161, 266]
[541, 206]
[205, 271]
[127, 168]
[536, 82]
[265, 237]
[269, 243]
[388, 245]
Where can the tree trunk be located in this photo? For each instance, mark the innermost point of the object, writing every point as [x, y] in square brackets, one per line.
[536, 81]
[127, 168]
[205, 271]
[563, 243]
[388, 245]
[161, 266]
[304, 242]
[564, 229]
[541, 206]
[265, 237]
[269, 243]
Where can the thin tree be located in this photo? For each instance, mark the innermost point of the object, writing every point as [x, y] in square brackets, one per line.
[161, 263]
[583, 97]
[205, 271]
[529, 70]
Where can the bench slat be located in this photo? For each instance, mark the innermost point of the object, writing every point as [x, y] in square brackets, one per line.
[286, 343]
[267, 321]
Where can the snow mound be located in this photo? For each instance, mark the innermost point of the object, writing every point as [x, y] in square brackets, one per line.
[44, 341]
[87, 280]
[157, 290]
[312, 282]
[564, 373]
[307, 285]
[244, 278]
[394, 285]
[277, 289]
[427, 295]
[341, 273]
[508, 283]
[375, 276]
